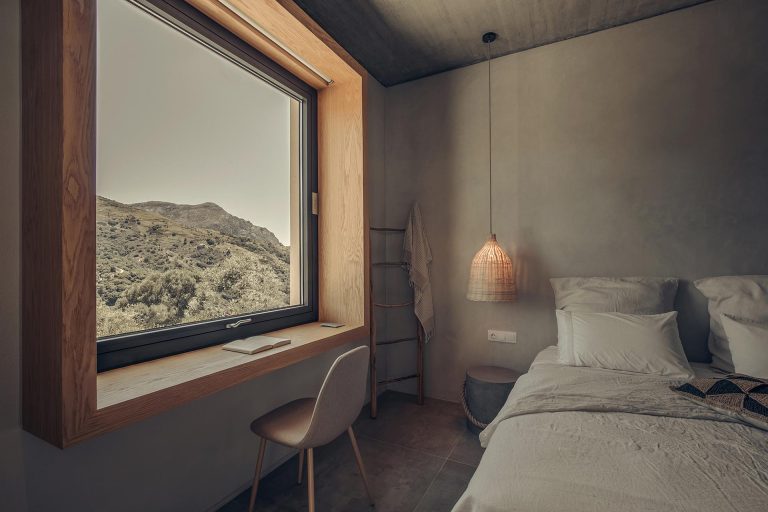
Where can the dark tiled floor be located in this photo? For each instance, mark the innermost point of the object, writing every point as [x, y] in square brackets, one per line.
[418, 458]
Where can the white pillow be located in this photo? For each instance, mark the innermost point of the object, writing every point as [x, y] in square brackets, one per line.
[618, 341]
[743, 297]
[747, 345]
[634, 295]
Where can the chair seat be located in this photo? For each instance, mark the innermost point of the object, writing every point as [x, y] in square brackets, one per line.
[286, 425]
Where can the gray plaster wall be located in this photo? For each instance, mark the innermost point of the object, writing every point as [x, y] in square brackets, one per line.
[192, 458]
[639, 150]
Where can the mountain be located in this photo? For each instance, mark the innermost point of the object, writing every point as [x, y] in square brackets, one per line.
[209, 216]
[155, 271]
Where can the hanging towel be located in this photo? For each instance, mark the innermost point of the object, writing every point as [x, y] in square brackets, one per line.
[417, 257]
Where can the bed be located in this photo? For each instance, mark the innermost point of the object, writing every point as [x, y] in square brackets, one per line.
[586, 439]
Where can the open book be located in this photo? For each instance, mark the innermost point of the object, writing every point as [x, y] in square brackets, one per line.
[256, 344]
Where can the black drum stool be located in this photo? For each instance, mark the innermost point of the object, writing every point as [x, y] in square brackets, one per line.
[485, 390]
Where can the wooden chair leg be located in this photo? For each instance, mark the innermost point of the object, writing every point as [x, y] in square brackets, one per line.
[360, 466]
[301, 465]
[257, 474]
[311, 479]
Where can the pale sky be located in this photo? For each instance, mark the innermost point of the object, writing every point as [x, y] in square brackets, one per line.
[179, 123]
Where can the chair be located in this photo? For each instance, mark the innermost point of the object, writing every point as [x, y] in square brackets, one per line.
[307, 423]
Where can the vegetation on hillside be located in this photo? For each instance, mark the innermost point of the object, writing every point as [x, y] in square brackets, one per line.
[153, 271]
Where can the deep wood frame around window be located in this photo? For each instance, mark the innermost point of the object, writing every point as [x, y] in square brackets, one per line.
[64, 401]
[130, 348]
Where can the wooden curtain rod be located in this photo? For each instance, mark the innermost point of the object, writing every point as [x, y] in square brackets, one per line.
[274, 40]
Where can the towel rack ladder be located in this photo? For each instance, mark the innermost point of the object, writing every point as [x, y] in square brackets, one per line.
[374, 342]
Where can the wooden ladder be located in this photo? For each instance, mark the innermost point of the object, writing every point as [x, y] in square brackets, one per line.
[374, 343]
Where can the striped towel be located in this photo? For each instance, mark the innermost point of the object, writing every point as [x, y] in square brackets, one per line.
[417, 257]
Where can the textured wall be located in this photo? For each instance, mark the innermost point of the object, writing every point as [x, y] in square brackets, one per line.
[11, 461]
[640, 150]
[191, 458]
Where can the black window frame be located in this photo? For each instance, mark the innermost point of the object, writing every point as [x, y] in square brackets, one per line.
[130, 348]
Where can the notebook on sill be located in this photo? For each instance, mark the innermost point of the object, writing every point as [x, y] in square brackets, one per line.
[256, 344]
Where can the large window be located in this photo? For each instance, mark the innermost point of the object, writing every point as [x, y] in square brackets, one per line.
[204, 177]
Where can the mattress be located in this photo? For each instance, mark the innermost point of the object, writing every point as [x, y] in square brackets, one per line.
[586, 439]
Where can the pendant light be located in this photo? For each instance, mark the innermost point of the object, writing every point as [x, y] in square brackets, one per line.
[492, 273]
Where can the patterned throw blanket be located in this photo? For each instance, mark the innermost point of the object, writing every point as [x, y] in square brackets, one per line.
[741, 394]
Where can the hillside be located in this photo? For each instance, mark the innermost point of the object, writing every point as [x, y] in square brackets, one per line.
[209, 216]
[154, 271]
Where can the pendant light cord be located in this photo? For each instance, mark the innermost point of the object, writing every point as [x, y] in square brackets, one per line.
[490, 146]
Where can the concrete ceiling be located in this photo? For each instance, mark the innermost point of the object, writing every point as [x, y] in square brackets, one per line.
[401, 40]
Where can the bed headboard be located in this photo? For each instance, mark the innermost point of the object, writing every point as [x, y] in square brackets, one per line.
[693, 321]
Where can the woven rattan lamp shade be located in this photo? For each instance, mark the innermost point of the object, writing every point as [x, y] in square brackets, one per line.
[492, 275]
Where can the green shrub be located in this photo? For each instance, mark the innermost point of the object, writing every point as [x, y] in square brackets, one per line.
[173, 288]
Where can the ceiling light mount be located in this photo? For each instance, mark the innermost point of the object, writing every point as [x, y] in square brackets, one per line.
[489, 37]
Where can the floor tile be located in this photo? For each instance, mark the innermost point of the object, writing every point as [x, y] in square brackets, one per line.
[432, 428]
[399, 477]
[447, 488]
[239, 504]
[404, 451]
[467, 449]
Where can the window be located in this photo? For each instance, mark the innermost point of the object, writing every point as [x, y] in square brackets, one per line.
[205, 170]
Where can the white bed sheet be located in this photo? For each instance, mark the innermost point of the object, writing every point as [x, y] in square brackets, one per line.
[583, 439]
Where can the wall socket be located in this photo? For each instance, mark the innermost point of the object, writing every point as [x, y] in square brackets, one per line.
[502, 336]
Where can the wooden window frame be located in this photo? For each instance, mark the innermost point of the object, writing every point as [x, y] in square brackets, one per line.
[64, 400]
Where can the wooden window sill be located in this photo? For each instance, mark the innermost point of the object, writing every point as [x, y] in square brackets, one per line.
[205, 371]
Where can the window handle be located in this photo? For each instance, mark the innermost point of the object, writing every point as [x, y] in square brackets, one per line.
[235, 325]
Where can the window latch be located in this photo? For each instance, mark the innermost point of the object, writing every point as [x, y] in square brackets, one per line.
[235, 325]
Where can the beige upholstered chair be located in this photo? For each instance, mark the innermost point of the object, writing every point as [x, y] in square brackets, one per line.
[311, 422]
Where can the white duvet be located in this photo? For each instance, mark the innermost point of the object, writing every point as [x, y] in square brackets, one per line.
[583, 439]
